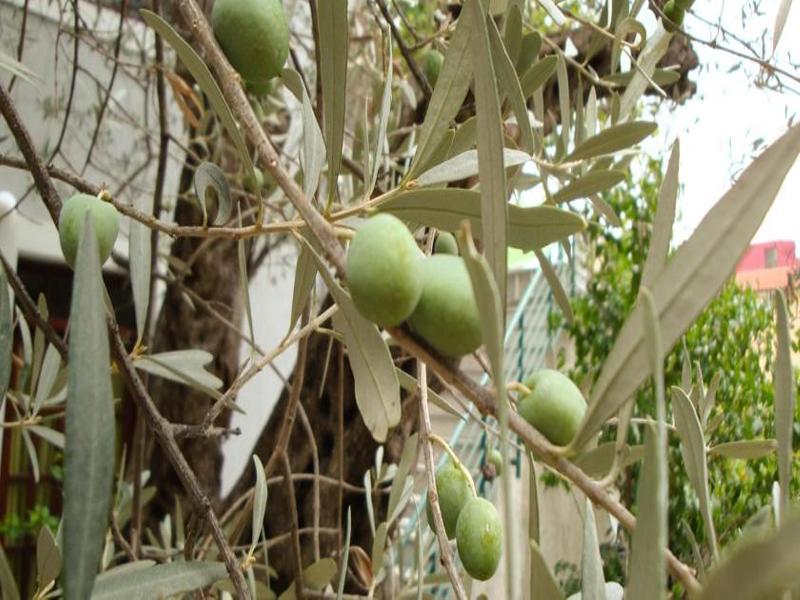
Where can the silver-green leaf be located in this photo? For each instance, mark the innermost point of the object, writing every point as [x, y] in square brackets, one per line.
[784, 398]
[160, 581]
[90, 425]
[745, 449]
[613, 139]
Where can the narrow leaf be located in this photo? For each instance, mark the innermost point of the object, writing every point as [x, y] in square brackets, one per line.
[334, 39]
[592, 582]
[665, 216]
[494, 205]
[140, 255]
[543, 583]
[54, 437]
[535, 77]
[785, 400]
[465, 165]
[313, 142]
[383, 122]
[160, 581]
[47, 377]
[209, 176]
[6, 334]
[645, 66]
[410, 384]
[16, 68]
[593, 182]
[745, 449]
[693, 450]
[509, 82]
[691, 278]
[378, 548]
[376, 386]
[446, 209]
[90, 426]
[7, 582]
[399, 481]
[259, 502]
[613, 139]
[345, 558]
[304, 277]
[556, 287]
[780, 22]
[183, 366]
[48, 558]
[563, 100]
[199, 70]
[758, 569]
[448, 95]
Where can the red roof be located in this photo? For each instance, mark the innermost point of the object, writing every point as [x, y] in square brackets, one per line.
[764, 279]
[768, 255]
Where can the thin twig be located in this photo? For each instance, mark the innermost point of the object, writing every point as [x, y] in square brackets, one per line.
[423, 82]
[298, 557]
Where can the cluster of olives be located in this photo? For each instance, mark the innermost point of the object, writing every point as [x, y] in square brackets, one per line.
[255, 38]
[105, 220]
[473, 521]
[675, 11]
[392, 281]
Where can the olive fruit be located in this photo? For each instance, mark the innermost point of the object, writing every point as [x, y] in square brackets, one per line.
[495, 458]
[684, 4]
[432, 66]
[254, 36]
[674, 16]
[70, 224]
[454, 490]
[479, 537]
[447, 316]
[384, 267]
[254, 182]
[445, 244]
[555, 406]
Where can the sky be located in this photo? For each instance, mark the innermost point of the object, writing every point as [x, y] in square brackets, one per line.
[719, 127]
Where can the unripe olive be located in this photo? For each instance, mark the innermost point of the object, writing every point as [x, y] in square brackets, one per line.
[555, 406]
[674, 16]
[445, 244]
[254, 36]
[479, 536]
[454, 490]
[70, 224]
[495, 458]
[684, 4]
[384, 270]
[447, 316]
[432, 66]
[253, 183]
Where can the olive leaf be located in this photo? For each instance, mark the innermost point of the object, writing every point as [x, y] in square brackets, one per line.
[563, 100]
[784, 381]
[493, 194]
[690, 279]
[465, 165]
[530, 45]
[183, 366]
[90, 425]
[399, 482]
[378, 548]
[159, 581]
[315, 577]
[592, 183]
[448, 95]
[304, 276]
[780, 22]
[598, 461]
[758, 568]
[6, 334]
[512, 33]
[17, 69]
[345, 557]
[410, 384]
[259, 502]
[376, 386]
[534, 533]
[209, 176]
[7, 582]
[665, 217]
[557, 288]
[313, 142]
[446, 209]
[693, 450]
[613, 139]
[48, 558]
[646, 62]
[199, 70]
[535, 77]
[592, 582]
[140, 253]
[334, 39]
[745, 449]
[543, 583]
[464, 138]
[383, 122]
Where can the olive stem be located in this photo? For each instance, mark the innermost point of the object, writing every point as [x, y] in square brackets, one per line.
[454, 457]
[516, 386]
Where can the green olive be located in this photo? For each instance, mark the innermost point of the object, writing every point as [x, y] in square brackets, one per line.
[254, 36]
[432, 66]
[674, 16]
[445, 244]
[447, 316]
[479, 536]
[384, 267]
[495, 458]
[684, 4]
[555, 406]
[70, 224]
[454, 490]
[253, 183]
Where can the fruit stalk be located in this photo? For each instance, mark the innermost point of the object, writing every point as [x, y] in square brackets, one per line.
[454, 457]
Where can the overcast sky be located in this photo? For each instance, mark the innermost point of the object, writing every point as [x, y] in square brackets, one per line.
[719, 126]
